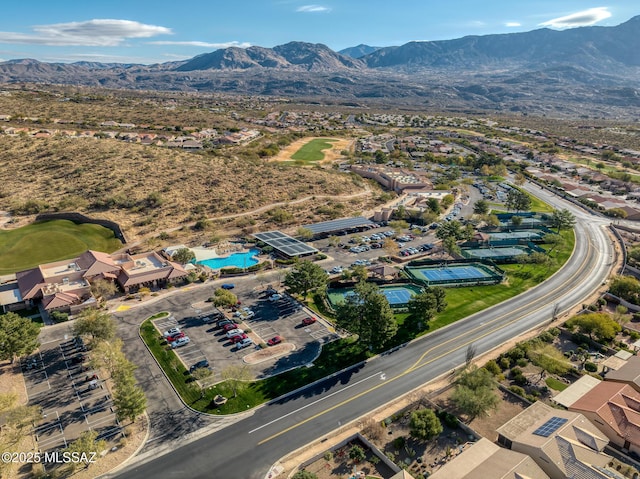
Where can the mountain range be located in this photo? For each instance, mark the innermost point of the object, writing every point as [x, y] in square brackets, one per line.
[591, 70]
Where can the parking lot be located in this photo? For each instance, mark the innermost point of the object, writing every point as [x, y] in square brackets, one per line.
[72, 397]
[283, 317]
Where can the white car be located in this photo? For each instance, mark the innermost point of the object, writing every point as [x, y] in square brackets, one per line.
[180, 342]
[171, 332]
[275, 297]
[244, 343]
[234, 332]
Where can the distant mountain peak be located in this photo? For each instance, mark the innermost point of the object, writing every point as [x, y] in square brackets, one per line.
[359, 51]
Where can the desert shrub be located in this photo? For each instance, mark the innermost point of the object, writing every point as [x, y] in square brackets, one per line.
[517, 390]
[590, 367]
[505, 363]
[493, 367]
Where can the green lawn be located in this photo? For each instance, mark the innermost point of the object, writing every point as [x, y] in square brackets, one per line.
[553, 383]
[312, 151]
[48, 241]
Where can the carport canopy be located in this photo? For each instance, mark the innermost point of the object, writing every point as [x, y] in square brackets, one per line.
[342, 224]
[285, 244]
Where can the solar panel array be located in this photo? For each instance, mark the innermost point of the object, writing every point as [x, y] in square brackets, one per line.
[285, 243]
[550, 426]
[338, 225]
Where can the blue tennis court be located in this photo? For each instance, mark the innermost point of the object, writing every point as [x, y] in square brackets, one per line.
[396, 295]
[453, 272]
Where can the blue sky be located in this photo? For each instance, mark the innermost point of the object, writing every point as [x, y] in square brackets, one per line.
[142, 31]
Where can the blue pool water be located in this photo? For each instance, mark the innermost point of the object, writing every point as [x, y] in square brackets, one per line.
[239, 260]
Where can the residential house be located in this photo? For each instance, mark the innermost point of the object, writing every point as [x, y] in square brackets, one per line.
[563, 443]
[614, 408]
[629, 373]
[486, 459]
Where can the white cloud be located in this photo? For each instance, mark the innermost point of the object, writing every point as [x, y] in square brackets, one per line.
[203, 44]
[579, 19]
[313, 9]
[94, 33]
[513, 24]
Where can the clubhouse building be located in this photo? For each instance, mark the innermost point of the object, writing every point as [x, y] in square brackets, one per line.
[66, 285]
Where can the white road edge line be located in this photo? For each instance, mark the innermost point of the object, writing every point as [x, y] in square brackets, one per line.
[317, 401]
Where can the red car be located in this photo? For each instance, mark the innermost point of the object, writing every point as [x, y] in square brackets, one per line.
[229, 327]
[171, 339]
[238, 338]
[309, 320]
[275, 340]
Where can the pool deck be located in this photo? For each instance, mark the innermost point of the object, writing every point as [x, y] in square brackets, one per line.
[204, 253]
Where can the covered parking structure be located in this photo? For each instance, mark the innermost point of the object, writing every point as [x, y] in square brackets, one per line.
[285, 245]
[349, 225]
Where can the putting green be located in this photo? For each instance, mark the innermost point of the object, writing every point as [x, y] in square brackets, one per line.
[312, 151]
[49, 241]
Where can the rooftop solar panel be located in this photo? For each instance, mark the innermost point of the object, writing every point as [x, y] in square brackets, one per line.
[285, 243]
[550, 426]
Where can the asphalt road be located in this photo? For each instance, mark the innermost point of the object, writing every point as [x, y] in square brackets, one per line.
[247, 448]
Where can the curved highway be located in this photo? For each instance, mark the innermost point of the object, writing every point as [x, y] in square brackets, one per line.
[249, 447]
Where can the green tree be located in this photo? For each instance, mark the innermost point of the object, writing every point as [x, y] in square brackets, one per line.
[359, 272]
[108, 355]
[433, 205]
[183, 256]
[516, 220]
[95, 323]
[390, 247]
[517, 200]
[398, 225]
[563, 219]
[423, 307]
[128, 399]
[86, 444]
[520, 179]
[367, 313]
[237, 377]
[224, 297]
[474, 392]
[597, 326]
[447, 200]
[481, 207]
[304, 475]
[18, 336]
[453, 229]
[626, 287]
[305, 234]
[17, 423]
[425, 424]
[103, 288]
[356, 454]
[554, 241]
[305, 276]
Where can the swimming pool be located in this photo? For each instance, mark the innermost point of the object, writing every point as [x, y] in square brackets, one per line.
[239, 260]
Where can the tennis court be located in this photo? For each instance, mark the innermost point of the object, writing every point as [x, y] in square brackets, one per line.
[398, 296]
[502, 254]
[528, 235]
[446, 274]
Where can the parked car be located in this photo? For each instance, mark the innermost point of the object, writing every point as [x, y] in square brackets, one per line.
[171, 332]
[175, 337]
[200, 364]
[230, 326]
[77, 359]
[244, 343]
[222, 322]
[275, 297]
[238, 338]
[180, 342]
[275, 340]
[309, 320]
[228, 286]
[234, 332]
